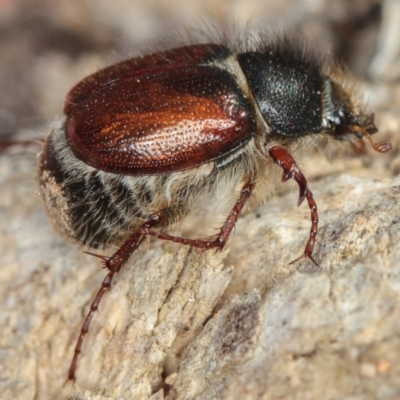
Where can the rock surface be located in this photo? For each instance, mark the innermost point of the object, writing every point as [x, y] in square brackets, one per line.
[238, 324]
[184, 324]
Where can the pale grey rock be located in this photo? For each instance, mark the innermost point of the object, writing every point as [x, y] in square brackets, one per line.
[182, 324]
[233, 325]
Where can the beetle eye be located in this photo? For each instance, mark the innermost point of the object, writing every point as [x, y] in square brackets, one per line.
[343, 126]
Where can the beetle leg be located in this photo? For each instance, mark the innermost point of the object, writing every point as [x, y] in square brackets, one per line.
[115, 262]
[20, 144]
[224, 233]
[291, 170]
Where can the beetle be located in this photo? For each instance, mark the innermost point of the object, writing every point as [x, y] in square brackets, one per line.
[143, 142]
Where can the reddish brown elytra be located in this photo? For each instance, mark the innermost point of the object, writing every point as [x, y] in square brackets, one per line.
[150, 138]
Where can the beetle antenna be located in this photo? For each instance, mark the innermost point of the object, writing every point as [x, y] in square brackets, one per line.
[380, 147]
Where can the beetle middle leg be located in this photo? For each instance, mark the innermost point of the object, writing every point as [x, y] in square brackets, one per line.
[221, 239]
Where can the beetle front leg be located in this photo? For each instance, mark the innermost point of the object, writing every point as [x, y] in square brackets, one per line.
[292, 171]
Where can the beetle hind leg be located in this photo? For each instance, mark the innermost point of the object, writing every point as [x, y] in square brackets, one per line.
[115, 262]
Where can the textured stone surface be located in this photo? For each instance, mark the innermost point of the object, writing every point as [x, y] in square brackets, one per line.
[183, 324]
[280, 330]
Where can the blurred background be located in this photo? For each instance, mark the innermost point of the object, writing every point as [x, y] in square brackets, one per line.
[46, 46]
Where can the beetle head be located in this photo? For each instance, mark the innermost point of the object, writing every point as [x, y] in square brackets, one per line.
[344, 121]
